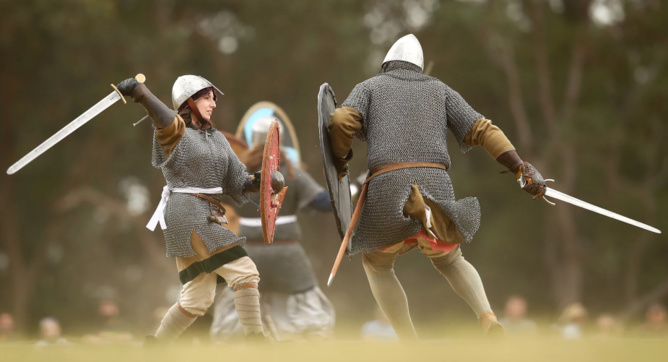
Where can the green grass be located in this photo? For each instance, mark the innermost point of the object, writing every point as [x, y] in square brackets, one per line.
[540, 349]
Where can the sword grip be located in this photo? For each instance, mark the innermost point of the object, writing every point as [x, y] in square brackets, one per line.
[140, 77]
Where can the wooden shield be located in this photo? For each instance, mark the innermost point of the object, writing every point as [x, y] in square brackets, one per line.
[339, 191]
[270, 202]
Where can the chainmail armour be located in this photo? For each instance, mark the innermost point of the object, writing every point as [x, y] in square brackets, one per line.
[200, 160]
[406, 116]
[284, 268]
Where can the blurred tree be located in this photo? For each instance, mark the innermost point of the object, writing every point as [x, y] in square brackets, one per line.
[585, 52]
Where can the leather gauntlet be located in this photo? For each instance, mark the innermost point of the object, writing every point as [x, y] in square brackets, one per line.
[528, 177]
[531, 180]
[161, 115]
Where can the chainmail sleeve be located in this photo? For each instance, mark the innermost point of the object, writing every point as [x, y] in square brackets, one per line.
[160, 160]
[235, 177]
[461, 117]
[306, 188]
[359, 100]
[158, 157]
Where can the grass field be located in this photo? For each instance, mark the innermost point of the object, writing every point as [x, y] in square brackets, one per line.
[347, 351]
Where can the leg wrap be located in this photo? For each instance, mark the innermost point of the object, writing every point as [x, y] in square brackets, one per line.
[389, 293]
[464, 280]
[174, 323]
[247, 304]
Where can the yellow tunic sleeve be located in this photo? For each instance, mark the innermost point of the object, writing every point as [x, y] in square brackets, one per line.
[170, 136]
[489, 136]
[346, 121]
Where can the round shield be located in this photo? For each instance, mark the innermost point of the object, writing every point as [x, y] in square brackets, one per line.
[339, 190]
[270, 201]
[262, 110]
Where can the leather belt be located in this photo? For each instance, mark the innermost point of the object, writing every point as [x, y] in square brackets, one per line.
[400, 165]
[360, 201]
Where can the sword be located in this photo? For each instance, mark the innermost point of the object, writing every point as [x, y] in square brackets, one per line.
[105, 103]
[585, 205]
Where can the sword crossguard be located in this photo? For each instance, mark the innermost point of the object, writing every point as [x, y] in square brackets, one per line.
[548, 201]
[544, 198]
[120, 94]
[141, 78]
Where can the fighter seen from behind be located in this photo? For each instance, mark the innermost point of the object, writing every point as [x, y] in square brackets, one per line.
[408, 200]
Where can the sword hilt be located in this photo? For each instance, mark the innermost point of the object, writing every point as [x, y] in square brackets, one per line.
[141, 78]
[543, 195]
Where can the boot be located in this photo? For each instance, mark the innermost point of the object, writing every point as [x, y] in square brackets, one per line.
[490, 326]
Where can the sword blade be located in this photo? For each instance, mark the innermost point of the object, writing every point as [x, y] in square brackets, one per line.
[107, 101]
[585, 205]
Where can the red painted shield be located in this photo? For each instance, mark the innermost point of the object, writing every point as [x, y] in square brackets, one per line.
[270, 202]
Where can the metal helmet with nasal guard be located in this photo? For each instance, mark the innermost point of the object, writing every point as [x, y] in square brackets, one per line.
[186, 86]
[407, 49]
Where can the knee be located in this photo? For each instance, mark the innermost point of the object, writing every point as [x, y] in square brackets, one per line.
[250, 278]
[447, 260]
[249, 281]
[240, 271]
[375, 264]
[197, 306]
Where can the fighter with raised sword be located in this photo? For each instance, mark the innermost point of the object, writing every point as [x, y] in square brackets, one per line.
[199, 167]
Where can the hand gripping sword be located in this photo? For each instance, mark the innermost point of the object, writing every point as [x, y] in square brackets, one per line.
[105, 103]
[587, 206]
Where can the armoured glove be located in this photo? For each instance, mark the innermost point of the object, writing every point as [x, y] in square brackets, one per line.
[253, 183]
[126, 86]
[528, 177]
[531, 180]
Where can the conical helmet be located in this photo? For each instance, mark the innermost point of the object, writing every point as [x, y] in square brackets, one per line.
[407, 49]
[186, 86]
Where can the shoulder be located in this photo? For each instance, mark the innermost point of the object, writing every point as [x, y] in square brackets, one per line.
[365, 85]
[449, 90]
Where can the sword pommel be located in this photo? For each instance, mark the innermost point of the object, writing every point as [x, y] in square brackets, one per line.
[141, 78]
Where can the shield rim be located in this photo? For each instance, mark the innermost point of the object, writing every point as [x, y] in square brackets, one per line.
[270, 164]
[343, 184]
[282, 118]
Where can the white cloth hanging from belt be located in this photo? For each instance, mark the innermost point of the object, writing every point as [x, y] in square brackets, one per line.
[159, 215]
[257, 222]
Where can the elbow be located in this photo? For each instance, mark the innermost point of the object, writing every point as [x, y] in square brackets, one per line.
[321, 202]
